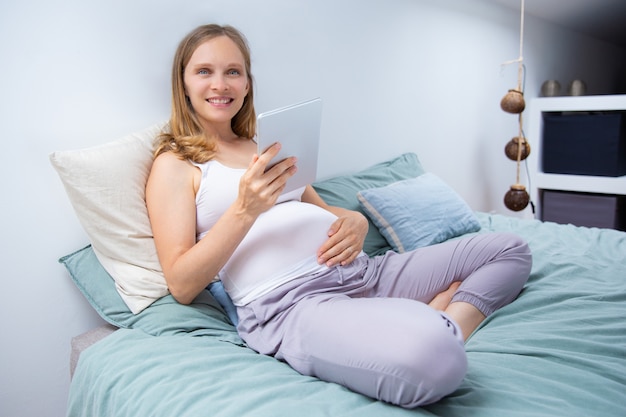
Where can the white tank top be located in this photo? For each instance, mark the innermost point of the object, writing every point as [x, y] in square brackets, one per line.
[281, 245]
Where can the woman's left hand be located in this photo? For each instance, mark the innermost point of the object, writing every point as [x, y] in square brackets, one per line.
[345, 236]
[345, 239]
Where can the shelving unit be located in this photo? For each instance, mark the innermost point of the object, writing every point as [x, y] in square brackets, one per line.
[613, 186]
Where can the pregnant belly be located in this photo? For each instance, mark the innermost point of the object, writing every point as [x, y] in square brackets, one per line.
[281, 238]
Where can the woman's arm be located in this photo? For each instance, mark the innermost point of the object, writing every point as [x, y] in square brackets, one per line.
[345, 236]
[170, 197]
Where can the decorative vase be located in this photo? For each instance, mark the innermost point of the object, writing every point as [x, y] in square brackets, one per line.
[550, 88]
[577, 88]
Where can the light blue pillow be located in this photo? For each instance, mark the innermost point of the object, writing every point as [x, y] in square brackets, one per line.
[219, 292]
[342, 191]
[418, 212]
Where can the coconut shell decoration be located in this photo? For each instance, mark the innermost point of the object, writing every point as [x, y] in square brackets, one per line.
[517, 149]
[517, 198]
[513, 102]
[512, 149]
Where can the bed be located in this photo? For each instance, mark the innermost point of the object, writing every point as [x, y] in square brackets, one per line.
[558, 350]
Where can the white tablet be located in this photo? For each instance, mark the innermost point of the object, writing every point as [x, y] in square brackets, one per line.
[297, 128]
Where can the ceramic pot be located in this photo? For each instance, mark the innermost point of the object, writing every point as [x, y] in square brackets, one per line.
[577, 88]
[550, 88]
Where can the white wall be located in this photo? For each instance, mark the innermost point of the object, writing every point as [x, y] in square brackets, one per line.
[407, 75]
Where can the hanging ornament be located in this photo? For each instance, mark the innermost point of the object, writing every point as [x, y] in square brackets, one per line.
[516, 198]
[513, 102]
[512, 148]
[517, 149]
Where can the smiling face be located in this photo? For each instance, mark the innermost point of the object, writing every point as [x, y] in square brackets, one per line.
[216, 82]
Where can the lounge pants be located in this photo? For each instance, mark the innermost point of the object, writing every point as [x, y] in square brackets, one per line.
[367, 325]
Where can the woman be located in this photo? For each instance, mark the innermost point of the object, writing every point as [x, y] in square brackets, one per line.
[305, 292]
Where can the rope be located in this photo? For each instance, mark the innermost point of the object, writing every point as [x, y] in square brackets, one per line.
[520, 60]
[521, 49]
[521, 141]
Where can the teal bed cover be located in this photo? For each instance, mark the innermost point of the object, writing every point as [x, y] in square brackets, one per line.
[558, 350]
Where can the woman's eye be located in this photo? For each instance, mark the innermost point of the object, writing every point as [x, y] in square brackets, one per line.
[234, 72]
[203, 72]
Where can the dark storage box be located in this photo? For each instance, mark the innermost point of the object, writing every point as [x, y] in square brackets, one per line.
[584, 143]
[583, 209]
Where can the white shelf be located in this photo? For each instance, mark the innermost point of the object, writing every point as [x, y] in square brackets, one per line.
[581, 183]
[579, 103]
[576, 183]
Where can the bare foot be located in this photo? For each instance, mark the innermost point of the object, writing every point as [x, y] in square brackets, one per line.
[442, 300]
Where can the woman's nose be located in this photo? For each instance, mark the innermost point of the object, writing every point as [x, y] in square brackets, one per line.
[219, 83]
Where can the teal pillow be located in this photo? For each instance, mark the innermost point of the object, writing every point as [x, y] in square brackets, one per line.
[204, 316]
[418, 212]
[342, 191]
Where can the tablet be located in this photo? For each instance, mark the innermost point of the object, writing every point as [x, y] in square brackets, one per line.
[297, 128]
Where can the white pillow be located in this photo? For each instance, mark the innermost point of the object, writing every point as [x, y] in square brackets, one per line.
[106, 185]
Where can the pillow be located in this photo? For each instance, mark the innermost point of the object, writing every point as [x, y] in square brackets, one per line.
[106, 186]
[221, 296]
[97, 286]
[204, 316]
[418, 212]
[342, 191]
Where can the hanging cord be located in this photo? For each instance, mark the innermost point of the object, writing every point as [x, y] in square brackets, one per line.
[520, 59]
[520, 85]
[528, 179]
[520, 142]
[521, 51]
[523, 137]
[532, 204]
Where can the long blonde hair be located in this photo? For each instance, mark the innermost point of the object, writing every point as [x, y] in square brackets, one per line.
[186, 136]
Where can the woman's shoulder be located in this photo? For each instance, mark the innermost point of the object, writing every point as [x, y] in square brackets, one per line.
[168, 158]
[172, 174]
[171, 164]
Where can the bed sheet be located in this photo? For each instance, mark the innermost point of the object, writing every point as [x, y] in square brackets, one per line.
[559, 349]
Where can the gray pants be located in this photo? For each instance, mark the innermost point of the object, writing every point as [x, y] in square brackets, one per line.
[366, 325]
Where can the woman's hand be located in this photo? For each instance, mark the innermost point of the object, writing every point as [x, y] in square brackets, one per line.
[345, 236]
[260, 186]
[345, 239]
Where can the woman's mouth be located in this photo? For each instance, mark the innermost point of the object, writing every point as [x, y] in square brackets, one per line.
[220, 100]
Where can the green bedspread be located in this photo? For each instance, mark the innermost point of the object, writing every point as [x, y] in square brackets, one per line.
[558, 350]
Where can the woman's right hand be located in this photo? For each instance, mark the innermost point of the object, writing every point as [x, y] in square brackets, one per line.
[260, 186]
